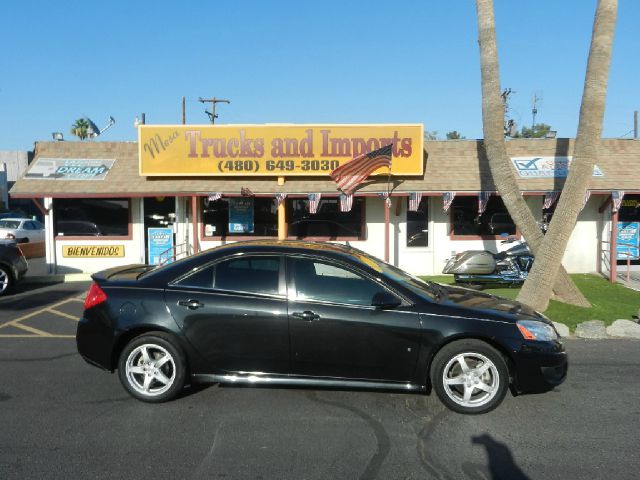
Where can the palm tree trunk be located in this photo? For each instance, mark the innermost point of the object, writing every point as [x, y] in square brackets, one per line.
[537, 289]
[502, 171]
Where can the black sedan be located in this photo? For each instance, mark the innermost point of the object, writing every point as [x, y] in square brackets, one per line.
[314, 314]
[13, 265]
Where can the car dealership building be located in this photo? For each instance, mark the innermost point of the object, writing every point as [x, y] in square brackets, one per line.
[186, 188]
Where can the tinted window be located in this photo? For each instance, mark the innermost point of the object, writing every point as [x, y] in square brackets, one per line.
[317, 280]
[91, 216]
[328, 221]
[220, 220]
[252, 274]
[494, 221]
[203, 278]
[418, 225]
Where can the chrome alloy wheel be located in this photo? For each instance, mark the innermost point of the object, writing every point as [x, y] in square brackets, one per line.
[150, 369]
[5, 281]
[470, 379]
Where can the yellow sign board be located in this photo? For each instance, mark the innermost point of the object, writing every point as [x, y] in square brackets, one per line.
[92, 251]
[273, 150]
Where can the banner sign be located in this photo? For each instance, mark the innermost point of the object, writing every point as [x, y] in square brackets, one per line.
[159, 244]
[628, 234]
[69, 169]
[546, 167]
[276, 150]
[241, 215]
[93, 251]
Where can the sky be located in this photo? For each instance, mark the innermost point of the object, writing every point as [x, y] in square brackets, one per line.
[299, 62]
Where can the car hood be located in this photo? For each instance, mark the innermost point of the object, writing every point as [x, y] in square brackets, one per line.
[476, 301]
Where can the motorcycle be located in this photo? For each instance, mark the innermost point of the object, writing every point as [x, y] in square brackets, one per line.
[477, 268]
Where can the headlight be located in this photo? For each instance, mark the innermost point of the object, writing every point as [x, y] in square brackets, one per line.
[532, 330]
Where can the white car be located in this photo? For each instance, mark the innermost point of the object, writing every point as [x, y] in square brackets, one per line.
[22, 230]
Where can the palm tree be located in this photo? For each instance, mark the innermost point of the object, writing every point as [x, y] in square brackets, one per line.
[80, 129]
[502, 171]
[537, 289]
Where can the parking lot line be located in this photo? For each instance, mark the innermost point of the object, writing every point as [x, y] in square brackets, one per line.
[36, 332]
[62, 314]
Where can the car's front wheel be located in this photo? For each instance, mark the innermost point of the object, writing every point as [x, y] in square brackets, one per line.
[470, 376]
[6, 280]
[152, 368]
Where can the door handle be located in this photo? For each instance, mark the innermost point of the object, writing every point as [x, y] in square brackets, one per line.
[191, 304]
[307, 316]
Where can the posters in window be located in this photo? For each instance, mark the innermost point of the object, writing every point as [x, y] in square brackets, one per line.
[241, 215]
[628, 235]
[159, 245]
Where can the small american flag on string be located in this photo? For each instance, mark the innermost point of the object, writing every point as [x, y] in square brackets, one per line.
[314, 201]
[280, 198]
[414, 201]
[212, 197]
[616, 199]
[385, 197]
[246, 192]
[346, 202]
[352, 173]
[549, 199]
[483, 199]
[587, 195]
[447, 200]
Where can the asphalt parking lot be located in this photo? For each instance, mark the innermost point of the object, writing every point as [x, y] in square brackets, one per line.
[62, 418]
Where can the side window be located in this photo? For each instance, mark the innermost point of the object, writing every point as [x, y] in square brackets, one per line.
[202, 278]
[316, 280]
[27, 226]
[248, 274]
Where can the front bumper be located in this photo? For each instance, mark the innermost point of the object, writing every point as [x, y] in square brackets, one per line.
[539, 366]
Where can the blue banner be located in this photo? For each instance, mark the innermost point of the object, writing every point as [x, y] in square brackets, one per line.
[159, 243]
[628, 235]
[241, 215]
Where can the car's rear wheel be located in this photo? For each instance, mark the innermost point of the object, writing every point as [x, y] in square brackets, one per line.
[152, 368]
[6, 280]
[470, 376]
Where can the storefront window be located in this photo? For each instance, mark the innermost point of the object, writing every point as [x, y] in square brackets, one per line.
[630, 209]
[91, 217]
[240, 217]
[418, 225]
[465, 220]
[328, 222]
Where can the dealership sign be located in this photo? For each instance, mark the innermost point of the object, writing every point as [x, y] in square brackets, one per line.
[273, 150]
[546, 167]
[70, 169]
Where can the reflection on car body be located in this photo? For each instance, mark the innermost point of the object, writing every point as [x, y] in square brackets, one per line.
[314, 314]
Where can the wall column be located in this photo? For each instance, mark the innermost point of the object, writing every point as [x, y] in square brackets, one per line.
[613, 254]
[387, 221]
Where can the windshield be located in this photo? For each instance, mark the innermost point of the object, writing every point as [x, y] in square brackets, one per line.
[9, 224]
[415, 284]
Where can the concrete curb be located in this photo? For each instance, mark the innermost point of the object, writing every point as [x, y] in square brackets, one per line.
[619, 330]
[59, 278]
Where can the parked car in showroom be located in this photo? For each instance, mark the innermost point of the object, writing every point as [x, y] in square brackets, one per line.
[13, 265]
[312, 314]
[21, 230]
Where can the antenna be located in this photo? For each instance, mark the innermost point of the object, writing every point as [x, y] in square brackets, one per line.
[535, 101]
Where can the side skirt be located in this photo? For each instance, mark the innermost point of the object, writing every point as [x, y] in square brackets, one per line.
[261, 379]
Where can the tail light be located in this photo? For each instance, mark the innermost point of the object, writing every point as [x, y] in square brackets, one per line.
[95, 296]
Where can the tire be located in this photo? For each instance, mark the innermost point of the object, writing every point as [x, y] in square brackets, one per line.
[485, 383]
[152, 368]
[6, 280]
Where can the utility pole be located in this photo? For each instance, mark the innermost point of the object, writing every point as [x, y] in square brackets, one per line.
[212, 114]
[184, 111]
[635, 124]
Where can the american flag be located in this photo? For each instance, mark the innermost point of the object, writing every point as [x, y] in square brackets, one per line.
[314, 201]
[352, 173]
[385, 196]
[212, 197]
[447, 200]
[280, 198]
[550, 198]
[414, 201]
[346, 202]
[483, 199]
[616, 198]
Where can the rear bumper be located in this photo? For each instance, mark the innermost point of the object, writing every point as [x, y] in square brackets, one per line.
[94, 341]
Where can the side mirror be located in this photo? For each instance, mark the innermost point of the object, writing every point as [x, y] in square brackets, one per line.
[385, 300]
